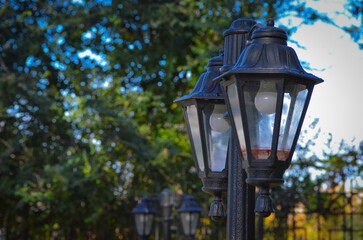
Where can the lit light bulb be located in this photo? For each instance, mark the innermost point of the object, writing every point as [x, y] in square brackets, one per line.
[265, 99]
[217, 121]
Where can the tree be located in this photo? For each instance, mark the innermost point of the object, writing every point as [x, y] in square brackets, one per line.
[86, 105]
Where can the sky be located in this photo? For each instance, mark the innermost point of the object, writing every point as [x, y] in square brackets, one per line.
[333, 56]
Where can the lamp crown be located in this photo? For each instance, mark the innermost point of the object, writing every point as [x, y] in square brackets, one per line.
[189, 205]
[235, 41]
[269, 53]
[144, 207]
[270, 22]
[269, 34]
[216, 61]
[205, 87]
[241, 25]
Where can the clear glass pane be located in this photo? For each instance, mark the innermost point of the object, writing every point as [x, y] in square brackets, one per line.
[294, 101]
[194, 129]
[194, 222]
[148, 223]
[143, 223]
[260, 100]
[140, 223]
[189, 222]
[217, 133]
[185, 220]
[237, 117]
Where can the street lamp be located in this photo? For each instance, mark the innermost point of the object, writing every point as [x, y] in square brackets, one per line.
[144, 216]
[189, 215]
[267, 94]
[209, 133]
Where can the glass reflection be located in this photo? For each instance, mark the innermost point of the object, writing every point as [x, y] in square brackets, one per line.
[260, 125]
[144, 224]
[217, 141]
[189, 222]
[237, 117]
[294, 101]
[194, 129]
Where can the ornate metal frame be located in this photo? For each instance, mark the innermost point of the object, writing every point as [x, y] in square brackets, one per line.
[267, 58]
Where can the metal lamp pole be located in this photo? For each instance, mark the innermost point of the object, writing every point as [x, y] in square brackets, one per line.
[166, 204]
[241, 196]
[240, 199]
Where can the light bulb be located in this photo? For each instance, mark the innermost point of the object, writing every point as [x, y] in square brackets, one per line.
[217, 121]
[265, 99]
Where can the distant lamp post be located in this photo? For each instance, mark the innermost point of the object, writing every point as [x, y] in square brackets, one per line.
[209, 133]
[189, 214]
[144, 215]
[267, 93]
[166, 203]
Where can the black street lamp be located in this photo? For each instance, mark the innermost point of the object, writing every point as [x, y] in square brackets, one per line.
[209, 133]
[144, 215]
[267, 94]
[189, 214]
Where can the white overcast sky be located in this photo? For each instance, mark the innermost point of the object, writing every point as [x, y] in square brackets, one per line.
[335, 57]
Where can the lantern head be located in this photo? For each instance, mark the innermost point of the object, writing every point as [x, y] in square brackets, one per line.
[209, 133]
[189, 214]
[144, 215]
[267, 94]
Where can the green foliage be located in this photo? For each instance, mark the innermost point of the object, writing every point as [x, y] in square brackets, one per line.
[324, 188]
[88, 123]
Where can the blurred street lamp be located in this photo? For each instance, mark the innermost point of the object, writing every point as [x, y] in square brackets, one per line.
[267, 93]
[189, 215]
[144, 215]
